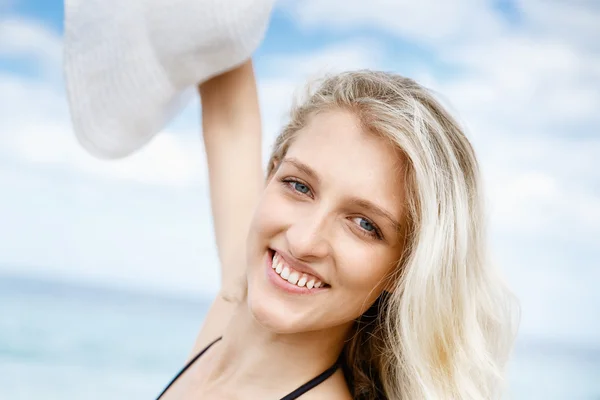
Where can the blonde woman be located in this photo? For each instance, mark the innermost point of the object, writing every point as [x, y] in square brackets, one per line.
[358, 268]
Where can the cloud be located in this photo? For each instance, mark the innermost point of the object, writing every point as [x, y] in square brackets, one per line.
[32, 40]
[425, 22]
[533, 84]
[36, 131]
[337, 57]
[575, 22]
[547, 63]
[286, 76]
[119, 234]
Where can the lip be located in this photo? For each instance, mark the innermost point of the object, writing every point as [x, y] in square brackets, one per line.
[298, 266]
[284, 285]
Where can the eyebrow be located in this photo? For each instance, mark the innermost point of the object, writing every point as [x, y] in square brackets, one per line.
[302, 167]
[367, 205]
[358, 202]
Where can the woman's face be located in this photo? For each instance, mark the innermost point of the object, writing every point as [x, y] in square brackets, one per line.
[326, 232]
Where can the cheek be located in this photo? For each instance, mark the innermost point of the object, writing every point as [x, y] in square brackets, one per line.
[269, 221]
[269, 216]
[362, 274]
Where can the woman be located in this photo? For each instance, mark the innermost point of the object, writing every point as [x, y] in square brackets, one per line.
[358, 270]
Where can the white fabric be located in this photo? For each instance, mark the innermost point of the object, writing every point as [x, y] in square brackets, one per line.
[129, 63]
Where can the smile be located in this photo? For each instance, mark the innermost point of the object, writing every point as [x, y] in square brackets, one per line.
[292, 278]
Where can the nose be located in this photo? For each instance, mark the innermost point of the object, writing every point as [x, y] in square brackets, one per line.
[307, 237]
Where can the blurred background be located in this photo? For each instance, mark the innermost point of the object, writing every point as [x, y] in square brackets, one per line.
[107, 267]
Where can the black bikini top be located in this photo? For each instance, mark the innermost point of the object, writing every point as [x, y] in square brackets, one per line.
[291, 396]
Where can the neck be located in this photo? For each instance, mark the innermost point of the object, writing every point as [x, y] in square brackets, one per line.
[252, 356]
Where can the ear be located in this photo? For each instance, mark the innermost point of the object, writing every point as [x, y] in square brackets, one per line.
[274, 165]
[276, 161]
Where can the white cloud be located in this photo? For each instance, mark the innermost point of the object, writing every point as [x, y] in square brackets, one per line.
[351, 54]
[573, 21]
[35, 130]
[54, 223]
[27, 38]
[288, 74]
[426, 21]
[526, 83]
[547, 63]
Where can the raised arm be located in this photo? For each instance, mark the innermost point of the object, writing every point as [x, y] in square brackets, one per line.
[232, 137]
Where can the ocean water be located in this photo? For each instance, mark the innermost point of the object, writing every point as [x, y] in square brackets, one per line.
[63, 341]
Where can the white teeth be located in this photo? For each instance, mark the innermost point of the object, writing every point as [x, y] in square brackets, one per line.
[293, 278]
[302, 281]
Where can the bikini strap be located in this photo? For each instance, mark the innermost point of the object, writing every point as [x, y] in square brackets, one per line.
[292, 396]
[193, 360]
[312, 383]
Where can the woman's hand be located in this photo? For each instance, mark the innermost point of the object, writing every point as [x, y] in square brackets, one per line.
[232, 137]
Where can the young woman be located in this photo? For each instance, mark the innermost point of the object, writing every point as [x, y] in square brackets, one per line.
[358, 269]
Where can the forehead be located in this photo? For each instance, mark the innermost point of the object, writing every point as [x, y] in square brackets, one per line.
[343, 154]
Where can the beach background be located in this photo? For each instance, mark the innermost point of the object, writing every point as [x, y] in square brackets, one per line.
[107, 267]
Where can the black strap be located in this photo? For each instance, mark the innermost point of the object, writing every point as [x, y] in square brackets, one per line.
[292, 396]
[312, 383]
[193, 360]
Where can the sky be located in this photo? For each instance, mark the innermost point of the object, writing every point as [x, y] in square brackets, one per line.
[523, 76]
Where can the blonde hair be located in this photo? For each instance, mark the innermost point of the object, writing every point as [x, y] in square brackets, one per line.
[447, 328]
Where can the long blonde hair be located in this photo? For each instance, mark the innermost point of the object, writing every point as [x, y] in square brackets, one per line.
[447, 328]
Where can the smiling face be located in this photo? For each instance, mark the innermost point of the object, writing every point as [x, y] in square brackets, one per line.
[326, 232]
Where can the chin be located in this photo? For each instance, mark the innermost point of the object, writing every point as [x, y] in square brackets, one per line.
[270, 309]
[273, 312]
[282, 311]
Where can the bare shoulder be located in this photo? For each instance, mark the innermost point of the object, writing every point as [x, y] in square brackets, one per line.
[334, 388]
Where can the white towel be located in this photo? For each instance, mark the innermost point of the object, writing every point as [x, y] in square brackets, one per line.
[130, 63]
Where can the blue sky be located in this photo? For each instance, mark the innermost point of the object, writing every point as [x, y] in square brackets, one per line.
[523, 76]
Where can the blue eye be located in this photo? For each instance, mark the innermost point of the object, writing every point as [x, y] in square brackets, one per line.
[297, 187]
[367, 228]
[301, 187]
[366, 225]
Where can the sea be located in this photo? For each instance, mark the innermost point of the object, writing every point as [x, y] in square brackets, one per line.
[73, 341]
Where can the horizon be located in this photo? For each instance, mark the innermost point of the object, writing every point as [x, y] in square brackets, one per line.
[95, 291]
